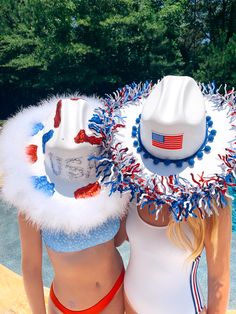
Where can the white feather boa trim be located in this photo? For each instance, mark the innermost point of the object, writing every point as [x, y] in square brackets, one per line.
[68, 215]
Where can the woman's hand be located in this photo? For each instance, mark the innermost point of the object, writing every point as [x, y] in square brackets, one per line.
[31, 252]
[218, 261]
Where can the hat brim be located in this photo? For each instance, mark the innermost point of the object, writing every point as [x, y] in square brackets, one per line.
[185, 188]
[209, 165]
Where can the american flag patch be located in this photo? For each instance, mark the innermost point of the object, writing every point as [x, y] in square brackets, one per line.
[166, 141]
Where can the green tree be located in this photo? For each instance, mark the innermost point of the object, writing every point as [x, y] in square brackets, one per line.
[67, 45]
[61, 46]
[220, 62]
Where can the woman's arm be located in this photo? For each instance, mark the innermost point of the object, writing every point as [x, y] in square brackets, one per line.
[31, 252]
[121, 236]
[218, 261]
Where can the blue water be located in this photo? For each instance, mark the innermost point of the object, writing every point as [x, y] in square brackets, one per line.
[10, 254]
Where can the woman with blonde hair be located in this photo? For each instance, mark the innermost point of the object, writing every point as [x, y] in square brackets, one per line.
[178, 144]
[49, 177]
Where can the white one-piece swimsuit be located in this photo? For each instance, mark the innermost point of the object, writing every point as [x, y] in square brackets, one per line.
[159, 278]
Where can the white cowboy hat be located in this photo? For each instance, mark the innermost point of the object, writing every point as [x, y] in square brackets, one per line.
[180, 142]
[44, 158]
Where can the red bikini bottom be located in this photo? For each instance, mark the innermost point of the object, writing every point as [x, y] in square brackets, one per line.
[98, 307]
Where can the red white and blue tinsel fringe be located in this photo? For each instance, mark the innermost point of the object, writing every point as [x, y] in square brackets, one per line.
[121, 171]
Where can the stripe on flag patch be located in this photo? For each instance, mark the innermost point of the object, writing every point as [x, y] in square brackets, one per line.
[166, 141]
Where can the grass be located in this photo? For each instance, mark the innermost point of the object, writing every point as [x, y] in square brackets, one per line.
[1, 122]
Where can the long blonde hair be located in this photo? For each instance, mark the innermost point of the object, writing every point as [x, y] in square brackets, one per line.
[197, 226]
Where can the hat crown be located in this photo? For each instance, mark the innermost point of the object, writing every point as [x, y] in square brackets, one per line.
[176, 99]
[74, 116]
[175, 111]
[67, 158]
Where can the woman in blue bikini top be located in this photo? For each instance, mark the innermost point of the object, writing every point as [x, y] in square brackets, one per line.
[49, 176]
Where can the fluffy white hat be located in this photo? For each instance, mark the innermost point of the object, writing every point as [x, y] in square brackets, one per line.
[45, 161]
[174, 143]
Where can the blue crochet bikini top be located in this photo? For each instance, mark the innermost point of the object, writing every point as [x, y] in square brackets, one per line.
[63, 242]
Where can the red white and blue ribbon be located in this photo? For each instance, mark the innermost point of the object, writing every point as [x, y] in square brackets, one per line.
[195, 291]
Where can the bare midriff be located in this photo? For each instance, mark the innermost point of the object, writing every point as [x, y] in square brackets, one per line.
[83, 278]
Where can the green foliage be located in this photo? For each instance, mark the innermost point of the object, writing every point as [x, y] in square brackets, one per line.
[220, 62]
[96, 46]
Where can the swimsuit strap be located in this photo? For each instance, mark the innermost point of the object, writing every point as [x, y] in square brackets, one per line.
[98, 307]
